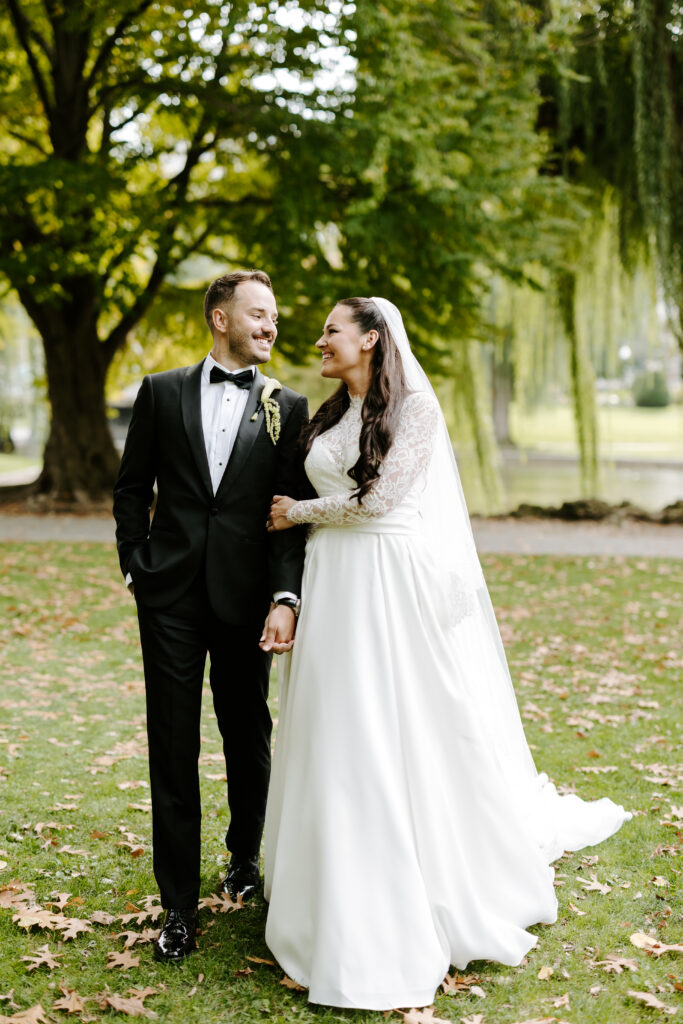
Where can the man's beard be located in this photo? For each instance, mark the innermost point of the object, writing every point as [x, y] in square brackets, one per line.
[244, 349]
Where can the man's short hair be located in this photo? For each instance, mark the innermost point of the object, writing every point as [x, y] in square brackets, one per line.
[221, 291]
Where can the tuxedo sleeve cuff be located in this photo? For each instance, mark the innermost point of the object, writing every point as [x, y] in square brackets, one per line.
[279, 594]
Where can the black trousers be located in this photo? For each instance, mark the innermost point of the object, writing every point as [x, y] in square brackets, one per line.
[175, 641]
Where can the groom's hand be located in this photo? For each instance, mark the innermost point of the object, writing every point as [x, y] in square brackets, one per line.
[278, 630]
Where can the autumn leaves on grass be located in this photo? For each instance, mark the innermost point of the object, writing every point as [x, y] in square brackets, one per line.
[29, 915]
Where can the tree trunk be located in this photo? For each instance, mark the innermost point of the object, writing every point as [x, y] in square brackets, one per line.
[80, 459]
[583, 388]
[501, 396]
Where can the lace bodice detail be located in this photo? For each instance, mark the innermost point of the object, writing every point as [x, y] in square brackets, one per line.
[405, 461]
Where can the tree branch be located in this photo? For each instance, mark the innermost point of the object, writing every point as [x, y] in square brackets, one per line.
[29, 141]
[111, 41]
[42, 43]
[139, 307]
[162, 267]
[23, 28]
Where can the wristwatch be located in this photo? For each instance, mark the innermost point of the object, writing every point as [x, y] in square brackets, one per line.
[292, 602]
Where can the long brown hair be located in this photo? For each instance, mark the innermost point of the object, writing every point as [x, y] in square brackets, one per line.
[382, 404]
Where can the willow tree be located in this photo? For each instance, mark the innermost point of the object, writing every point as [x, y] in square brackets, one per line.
[133, 133]
[613, 106]
[657, 142]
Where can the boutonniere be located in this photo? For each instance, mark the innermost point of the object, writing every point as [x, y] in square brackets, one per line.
[271, 410]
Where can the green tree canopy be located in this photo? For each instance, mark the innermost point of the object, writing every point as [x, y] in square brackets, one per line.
[357, 148]
[134, 134]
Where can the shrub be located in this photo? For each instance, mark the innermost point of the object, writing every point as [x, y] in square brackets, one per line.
[651, 390]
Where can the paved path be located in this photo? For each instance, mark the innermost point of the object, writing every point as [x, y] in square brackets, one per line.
[495, 536]
[558, 537]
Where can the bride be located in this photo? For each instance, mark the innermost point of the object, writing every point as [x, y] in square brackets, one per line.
[407, 828]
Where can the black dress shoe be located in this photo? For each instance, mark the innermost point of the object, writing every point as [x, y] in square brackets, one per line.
[242, 878]
[177, 936]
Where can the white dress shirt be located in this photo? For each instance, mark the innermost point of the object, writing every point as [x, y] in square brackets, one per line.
[223, 406]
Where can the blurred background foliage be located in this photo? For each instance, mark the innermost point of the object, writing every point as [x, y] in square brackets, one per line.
[509, 173]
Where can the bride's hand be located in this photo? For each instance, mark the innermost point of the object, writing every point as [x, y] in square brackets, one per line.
[277, 520]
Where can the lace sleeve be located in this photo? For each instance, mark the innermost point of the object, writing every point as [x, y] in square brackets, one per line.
[408, 456]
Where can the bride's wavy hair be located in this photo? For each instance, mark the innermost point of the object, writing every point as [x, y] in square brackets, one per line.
[382, 404]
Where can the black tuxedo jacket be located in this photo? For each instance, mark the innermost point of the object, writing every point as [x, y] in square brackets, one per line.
[192, 529]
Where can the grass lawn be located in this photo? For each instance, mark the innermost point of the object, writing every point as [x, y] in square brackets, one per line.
[12, 463]
[623, 432]
[595, 652]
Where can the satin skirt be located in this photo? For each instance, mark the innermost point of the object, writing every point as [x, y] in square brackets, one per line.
[401, 838]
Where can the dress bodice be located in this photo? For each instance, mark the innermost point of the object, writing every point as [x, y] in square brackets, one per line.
[393, 501]
[335, 452]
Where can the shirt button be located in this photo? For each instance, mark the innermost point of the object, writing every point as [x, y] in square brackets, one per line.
[220, 463]
[214, 510]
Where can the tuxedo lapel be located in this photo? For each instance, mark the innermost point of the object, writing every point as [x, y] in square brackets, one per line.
[246, 435]
[191, 405]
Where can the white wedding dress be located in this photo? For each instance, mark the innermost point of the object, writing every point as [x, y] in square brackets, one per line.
[407, 828]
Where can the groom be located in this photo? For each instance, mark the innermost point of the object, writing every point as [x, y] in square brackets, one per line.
[206, 575]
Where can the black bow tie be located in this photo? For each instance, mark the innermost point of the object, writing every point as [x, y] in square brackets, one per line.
[243, 379]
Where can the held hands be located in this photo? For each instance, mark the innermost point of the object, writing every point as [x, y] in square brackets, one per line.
[277, 519]
[278, 629]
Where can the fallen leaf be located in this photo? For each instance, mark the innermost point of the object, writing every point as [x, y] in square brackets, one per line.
[476, 990]
[71, 1001]
[561, 1001]
[652, 945]
[244, 972]
[545, 973]
[575, 910]
[288, 983]
[475, 1018]
[459, 982]
[651, 1000]
[36, 917]
[200, 979]
[34, 1015]
[134, 849]
[102, 917]
[260, 960]
[132, 1006]
[614, 964]
[542, 1020]
[425, 1016]
[594, 885]
[42, 958]
[139, 938]
[659, 881]
[70, 927]
[61, 900]
[123, 960]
